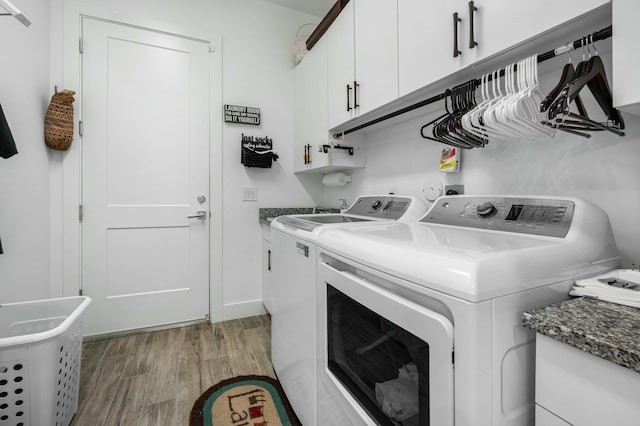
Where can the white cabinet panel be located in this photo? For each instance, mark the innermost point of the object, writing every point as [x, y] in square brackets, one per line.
[584, 389]
[310, 101]
[267, 274]
[425, 42]
[500, 25]
[626, 62]
[362, 59]
[341, 67]
[426, 32]
[311, 129]
[376, 39]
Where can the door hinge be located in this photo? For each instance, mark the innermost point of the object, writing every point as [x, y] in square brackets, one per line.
[80, 128]
[80, 292]
[81, 45]
[453, 358]
[80, 212]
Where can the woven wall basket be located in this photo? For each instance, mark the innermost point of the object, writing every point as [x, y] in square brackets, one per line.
[58, 123]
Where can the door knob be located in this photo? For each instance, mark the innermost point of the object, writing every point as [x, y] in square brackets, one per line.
[200, 215]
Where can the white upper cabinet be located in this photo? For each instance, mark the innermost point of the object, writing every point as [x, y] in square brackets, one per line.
[500, 24]
[362, 59]
[626, 62]
[310, 101]
[425, 42]
[376, 35]
[427, 32]
[341, 66]
[314, 149]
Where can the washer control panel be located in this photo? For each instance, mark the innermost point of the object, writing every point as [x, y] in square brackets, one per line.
[381, 207]
[525, 215]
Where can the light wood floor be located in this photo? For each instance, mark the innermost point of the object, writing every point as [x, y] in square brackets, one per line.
[154, 378]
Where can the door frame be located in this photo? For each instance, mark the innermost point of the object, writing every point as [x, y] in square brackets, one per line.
[66, 263]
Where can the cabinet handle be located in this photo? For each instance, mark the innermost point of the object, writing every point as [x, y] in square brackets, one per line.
[268, 260]
[349, 98]
[355, 94]
[307, 154]
[472, 9]
[456, 52]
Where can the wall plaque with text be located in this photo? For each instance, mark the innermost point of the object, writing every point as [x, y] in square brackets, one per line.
[241, 114]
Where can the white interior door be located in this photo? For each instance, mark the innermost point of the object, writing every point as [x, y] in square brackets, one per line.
[145, 170]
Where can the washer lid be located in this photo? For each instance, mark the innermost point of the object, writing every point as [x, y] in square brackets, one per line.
[365, 208]
[310, 222]
[478, 264]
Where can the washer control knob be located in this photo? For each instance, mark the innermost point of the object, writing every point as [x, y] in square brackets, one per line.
[376, 204]
[486, 210]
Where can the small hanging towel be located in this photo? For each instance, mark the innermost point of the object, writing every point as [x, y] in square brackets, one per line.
[7, 144]
[58, 124]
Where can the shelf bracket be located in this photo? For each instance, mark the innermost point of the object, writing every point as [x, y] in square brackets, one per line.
[326, 148]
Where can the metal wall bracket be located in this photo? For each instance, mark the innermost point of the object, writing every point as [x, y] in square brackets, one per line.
[326, 148]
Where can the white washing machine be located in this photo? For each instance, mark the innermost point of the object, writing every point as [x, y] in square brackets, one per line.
[420, 324]
[294, 261]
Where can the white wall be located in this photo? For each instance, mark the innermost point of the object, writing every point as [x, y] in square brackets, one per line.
[256, 71]
[257, 39]
[24, 178]
[604, 169]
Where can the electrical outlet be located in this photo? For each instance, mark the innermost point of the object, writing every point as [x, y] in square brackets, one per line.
[453, 189]
[249, 193]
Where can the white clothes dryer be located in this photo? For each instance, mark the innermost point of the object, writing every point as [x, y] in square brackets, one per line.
[294, 261]
[420, 324]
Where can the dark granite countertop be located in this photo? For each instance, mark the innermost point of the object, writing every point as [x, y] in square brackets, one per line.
[274, 212]
[265, 213]
[601, 328]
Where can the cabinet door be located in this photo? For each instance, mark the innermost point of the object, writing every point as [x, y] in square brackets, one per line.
[426, 32]
[425, 42]
[267, 282]
[341, 66]
[500, 24]
[376, 38]
[607, 395]
[310, 127]
[626, 84]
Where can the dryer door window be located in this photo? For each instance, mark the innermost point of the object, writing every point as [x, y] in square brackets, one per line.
[383, 358]
[382, 365]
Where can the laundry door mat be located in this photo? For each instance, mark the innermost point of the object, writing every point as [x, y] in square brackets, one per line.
[246, 400]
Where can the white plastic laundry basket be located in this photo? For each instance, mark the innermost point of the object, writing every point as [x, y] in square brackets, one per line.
[40, 352]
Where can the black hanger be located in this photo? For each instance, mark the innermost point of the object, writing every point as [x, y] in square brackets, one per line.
[466, 101]
[450, 129]
[440, 131]
[595, 78]
[592, 74]
[568, 74]
[434, 123]
[444, 131]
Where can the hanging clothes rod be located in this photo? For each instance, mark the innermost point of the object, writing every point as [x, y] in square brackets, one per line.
[14, 11]
[603, 34]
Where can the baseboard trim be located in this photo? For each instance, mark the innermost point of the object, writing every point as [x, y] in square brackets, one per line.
[151, 329]
[243, 310]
